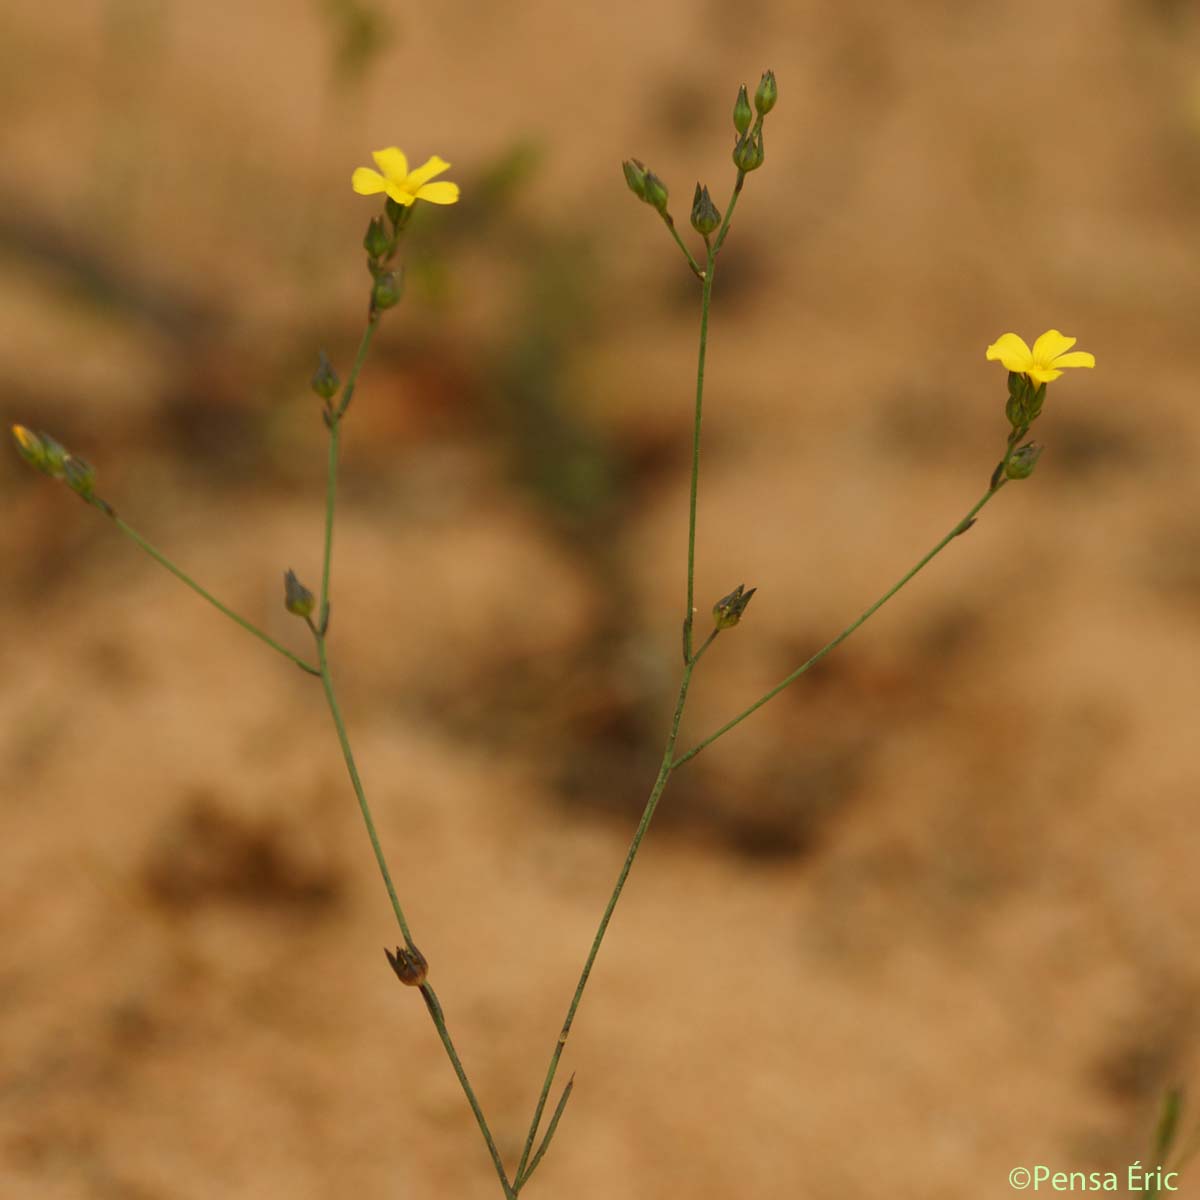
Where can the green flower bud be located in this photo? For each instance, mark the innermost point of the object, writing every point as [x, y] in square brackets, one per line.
[297, 599]
[50, 457]
[325, 381]
[410, 965]
[742, 150]
[1021, 463]
[389, 286]
[767, 94]
[705, 217]
[1035, 405]
[656, 192]
[645, 185]
[55, 455]
[727, 611]
[1024, 404]
[742, 114]
[635, 176]
[30, 447]
[376, 242]
[748, 153]
[80, 476]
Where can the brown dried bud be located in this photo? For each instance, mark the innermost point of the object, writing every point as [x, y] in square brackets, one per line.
[409, 964]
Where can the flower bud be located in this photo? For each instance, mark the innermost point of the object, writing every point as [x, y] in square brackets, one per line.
[727, 611]
[767, 94]
[635, 176]
[742, 114]
[55, 455]
[705, 217]
[376, 241]
[656, 192]
[410, 965]
[748, 153]
[1024, 404]
[1035, 405]
[389, 285]
[297, 599]
[80, 476]
[1021, 462]
[325, 381]
[30, 447]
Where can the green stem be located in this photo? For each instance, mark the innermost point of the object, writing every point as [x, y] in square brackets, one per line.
[181, 575]
[690, 661]
[431, 1000]
[708, 641]
[522, 1180]
[359, 358]
[669, 221]
[356, 783]
[960, 527]
[705, 301]
[439, 1020]
[660, 783]
[335, 429]
[334, 421]
[706, 276]
[733, 199]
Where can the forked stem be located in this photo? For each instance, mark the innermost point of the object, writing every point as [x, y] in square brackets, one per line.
[180, 574]
[960, 527]
[320, 635]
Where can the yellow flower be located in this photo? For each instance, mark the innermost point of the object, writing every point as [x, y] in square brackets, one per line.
[1045, 361]
[401, 184]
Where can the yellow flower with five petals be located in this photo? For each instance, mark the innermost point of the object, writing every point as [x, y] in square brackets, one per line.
[1045, 362]
[402, 185]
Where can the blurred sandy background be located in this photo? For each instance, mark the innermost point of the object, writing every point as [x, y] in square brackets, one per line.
[929, 917]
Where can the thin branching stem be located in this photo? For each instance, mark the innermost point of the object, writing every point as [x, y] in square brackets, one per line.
[690, 660]
[431, 1000]
[697, 270]
[334, 421]
[160, 558]
[356, 782]
[960, 527]
[706, 278]
[660, 783]
[320, 634]
[439, 1021]
[550, 1131]
[334, 414]
[706, 298]
[733, 199]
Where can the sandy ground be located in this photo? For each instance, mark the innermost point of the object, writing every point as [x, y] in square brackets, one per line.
[929, 917]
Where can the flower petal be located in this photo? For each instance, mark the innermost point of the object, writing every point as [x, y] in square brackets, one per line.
[1077, 358]
[441, 192]
[1042, 374]
[392, 163]
[367, 182]
[1011, 351]
[1050, 345]
[396, 192]
[429, 169]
